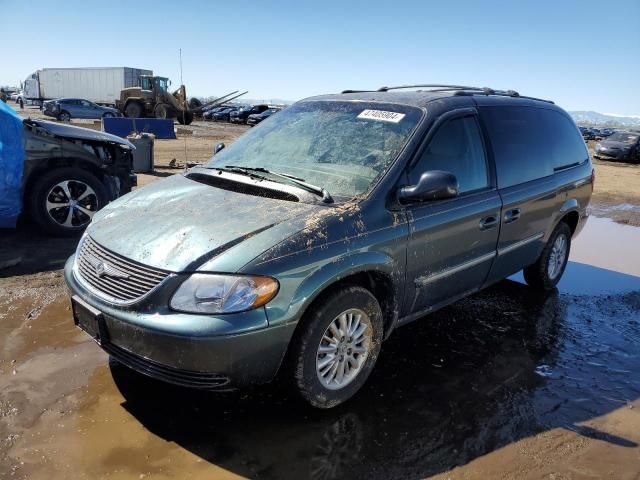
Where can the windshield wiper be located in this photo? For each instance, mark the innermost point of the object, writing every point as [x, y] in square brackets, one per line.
[321, 191]
[240, 171]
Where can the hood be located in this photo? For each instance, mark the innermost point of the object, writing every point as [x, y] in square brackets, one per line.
[614, 144]
[178, 224]
[69, 131]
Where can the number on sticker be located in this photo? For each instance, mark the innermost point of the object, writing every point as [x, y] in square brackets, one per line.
[381, 115]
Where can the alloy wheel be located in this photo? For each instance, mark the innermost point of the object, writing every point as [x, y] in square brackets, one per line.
[71, 203]
[557, 256]
[343, 349]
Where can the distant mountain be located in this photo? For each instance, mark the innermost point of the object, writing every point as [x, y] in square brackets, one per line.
[604, 119]
[252, 101]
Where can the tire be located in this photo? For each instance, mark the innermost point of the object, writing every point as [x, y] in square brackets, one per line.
[133, 110]
[49, 189]
[194, 103]
[184, 118]
[349, 304]
[64, 116]
[548, 269]
[161, 111]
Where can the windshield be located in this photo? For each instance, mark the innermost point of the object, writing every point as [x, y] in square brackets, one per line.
[341, 146]
[162, 84]
[624, 137]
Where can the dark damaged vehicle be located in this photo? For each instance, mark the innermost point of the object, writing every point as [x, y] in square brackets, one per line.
[256, 118]
[620, 146]
[299, 249]
[70, 173]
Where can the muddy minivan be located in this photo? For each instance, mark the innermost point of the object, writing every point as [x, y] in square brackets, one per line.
[298, 249]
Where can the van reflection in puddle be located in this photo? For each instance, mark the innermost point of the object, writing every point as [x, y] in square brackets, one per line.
[473, 377]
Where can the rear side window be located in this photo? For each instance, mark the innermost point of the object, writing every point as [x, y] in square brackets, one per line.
[456, 147]
[519, 140]
[565, 144]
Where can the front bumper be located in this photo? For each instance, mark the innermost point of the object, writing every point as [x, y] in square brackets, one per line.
[189, 350]
[610, 154]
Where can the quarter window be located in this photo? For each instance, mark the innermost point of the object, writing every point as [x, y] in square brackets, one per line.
[566, 145]
[457, 148]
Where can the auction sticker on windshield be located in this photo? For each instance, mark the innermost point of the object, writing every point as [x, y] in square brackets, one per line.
[381, 115]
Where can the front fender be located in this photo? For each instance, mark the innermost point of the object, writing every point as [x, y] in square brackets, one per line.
[295, 296]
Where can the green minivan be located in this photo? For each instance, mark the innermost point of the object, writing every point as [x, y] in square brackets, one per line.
[298, 249]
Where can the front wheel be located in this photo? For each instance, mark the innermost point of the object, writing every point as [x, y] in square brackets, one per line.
[185, 118]
[64, 116]
[63, 200]
[337, 347]
[548, 269]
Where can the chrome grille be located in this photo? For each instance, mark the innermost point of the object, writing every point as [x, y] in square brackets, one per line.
[113, 277]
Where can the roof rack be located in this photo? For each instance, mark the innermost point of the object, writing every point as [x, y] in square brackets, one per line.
[429, 85]
[459, 90]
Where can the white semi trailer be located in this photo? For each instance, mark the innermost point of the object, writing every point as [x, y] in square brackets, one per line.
[100, 85]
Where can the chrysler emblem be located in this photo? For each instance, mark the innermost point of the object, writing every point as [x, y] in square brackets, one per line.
[103, 269]
[100, 269]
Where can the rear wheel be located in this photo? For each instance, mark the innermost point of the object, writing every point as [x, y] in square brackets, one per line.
[162, 111]
[133, 110]
[548, 269]
[63, 201]
[338, 346]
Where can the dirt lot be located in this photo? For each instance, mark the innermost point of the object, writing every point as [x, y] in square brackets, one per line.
[506, 384]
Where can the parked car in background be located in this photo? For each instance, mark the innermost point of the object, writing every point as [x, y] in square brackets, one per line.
[256, 118]
[350, 215]
[620, 146]
[223, 115]
[67, 108]
[70, 173]
[241, 115]
[587, 133]
[15, 96]
[208, 113]
[606, 132]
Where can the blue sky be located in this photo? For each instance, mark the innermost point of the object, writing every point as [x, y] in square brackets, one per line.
[582, 54]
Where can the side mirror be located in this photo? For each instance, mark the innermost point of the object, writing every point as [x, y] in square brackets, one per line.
[433, 185]
[219, 147]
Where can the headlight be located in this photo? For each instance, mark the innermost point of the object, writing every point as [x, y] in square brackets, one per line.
[211, 293]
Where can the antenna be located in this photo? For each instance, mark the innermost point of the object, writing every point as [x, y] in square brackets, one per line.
[184, 106]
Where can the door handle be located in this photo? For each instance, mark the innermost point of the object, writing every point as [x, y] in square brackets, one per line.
[488, 222]
[512, 215]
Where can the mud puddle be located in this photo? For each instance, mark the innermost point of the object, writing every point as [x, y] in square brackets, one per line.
[509, 383]
[620, 211]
